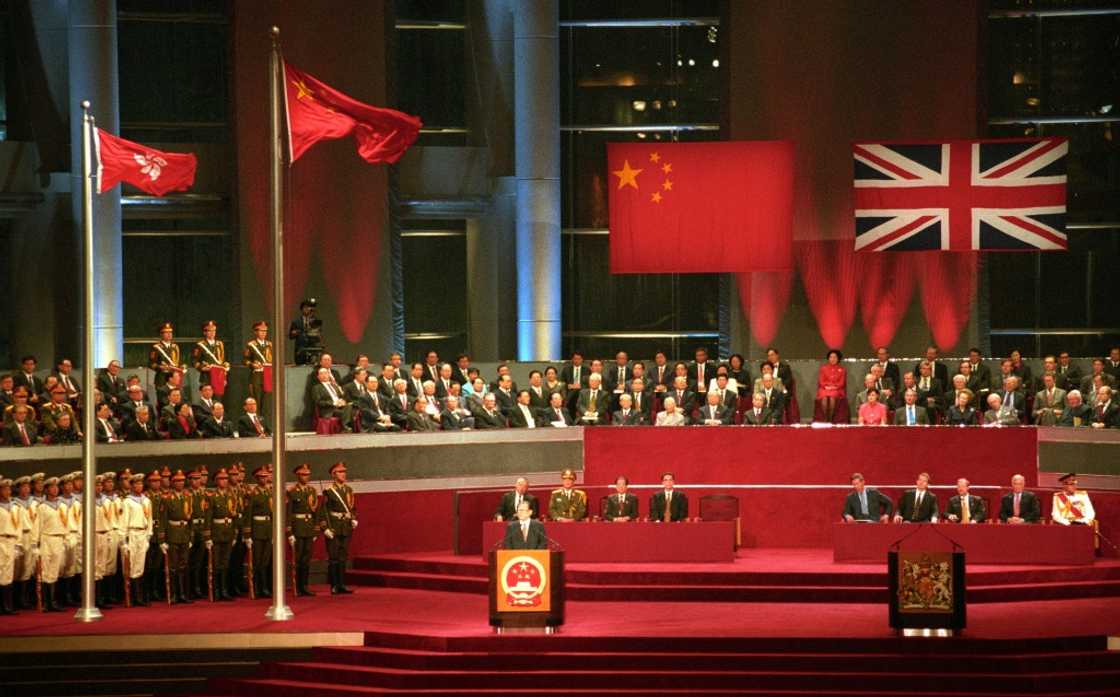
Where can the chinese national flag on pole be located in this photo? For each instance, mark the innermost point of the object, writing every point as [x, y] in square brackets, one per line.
[148, 169]
[700, 207]
[317, 112]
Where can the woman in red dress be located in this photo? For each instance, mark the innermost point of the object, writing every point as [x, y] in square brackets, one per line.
[831, 384]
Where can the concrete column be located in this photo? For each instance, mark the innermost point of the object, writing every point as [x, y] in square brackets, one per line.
[92, 41]
[536, 45]
[490, 77]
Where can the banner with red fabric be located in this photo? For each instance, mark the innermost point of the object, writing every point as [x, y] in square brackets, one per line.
[148, 169]
[700, 207]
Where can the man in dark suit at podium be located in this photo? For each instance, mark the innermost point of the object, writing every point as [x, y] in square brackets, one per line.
[525, 533]
[507, 509]
[918, 505]
[622, 506]
[668, 505]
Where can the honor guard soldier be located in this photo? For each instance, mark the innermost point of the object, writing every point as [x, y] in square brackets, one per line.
[29, 541]
[1072, 507]
[164, 357]
[198, 581]
[154, 580]
[209, 358]
[225, 507]
[339, 521]
[235, 579]
[54, 526]
[137, 529]
[177, 514]
[258, 357]
[67, 587]
[11, 519]
[104, 513]
[567, 503]
[112, 501]
[303, 525]
[259, 518]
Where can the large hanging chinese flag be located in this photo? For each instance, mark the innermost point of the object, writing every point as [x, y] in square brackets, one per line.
[316, 111]
[700, 207]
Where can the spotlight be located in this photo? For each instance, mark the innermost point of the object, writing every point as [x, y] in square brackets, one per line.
[691, 62]
[715, 62]
[639, 105]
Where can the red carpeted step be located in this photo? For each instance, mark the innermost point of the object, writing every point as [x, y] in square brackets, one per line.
[727, 594]
[411, 564]
[1043, 591]
[862, 662]
[418, 581]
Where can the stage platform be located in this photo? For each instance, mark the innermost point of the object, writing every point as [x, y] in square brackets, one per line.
[756, 576]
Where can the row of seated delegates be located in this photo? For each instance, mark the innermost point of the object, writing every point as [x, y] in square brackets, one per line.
[568, 504]
[865, 504]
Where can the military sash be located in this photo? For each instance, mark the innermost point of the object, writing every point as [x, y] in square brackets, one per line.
[1071, 509]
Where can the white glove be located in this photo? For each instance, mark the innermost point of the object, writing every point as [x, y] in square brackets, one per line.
[209, 544]
[249, 543]
[190, 545]
[354, 523]
[291, 539]
[329, 533]
[19, 549]
[163, 547]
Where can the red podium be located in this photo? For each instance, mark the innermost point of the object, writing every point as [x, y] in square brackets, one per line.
[526, 589]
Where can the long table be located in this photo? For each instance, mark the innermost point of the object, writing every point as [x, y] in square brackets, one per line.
[983, 543]
[634, 541]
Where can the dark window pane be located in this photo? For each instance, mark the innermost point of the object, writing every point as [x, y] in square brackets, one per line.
[1093, 169]
[435, 284]
[430, 76]
[638, 9]
[217, 7]
[430, 10]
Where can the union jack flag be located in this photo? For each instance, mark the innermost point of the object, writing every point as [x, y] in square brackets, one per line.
[961, 195]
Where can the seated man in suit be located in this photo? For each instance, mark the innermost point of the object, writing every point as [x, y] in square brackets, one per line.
[419, 419]
[505, 395]
[567, 504]
[682, 396]
[1076, 414]
[714, 413]
[999, 414]
[884, 383]
[728, 393]
[1106, 413]
[626, 414]
[489, 416]
[1088, 380]
[455, 417]
[401, 404]
[621, 506]
[511, 500]
[1013, 396]
[556, 415]
[106, 428]
[917, 505]
[593, 404]
[641, 399]
[205, 405]
[910, 413]
[133, 401]
[670, 414]
[525, 533]
[1020, 506]
[668, 505]
[251, 425]
[864, 503]
[523, 415]
[758, 415]
[141, 427]
[330, 401]
[22, 431]
[216, 425]
[964, 507]
[375, 414]
[774, 398]
[930, 389]
[1070, 506]
[1050, 401]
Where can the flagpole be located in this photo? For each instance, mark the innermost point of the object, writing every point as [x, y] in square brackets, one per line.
[279, 610]
[88, 612]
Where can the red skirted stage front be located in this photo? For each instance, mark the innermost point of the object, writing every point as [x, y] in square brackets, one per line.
[808, 455]
[983, 544]
[634, 541]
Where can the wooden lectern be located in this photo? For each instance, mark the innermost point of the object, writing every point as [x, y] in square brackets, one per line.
[926, 581]
[526, 589]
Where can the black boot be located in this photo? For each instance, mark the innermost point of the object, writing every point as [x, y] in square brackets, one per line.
[6, 600]
[301, 583]
[332, 576]
[50, 602]
[221, 592]
[139, 592]
[17, 595]
[73, 591]
[341, 574]
[184, 588]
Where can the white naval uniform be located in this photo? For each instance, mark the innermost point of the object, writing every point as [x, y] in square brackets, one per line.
[136, 526]
[11, 534]
[105, 524]
[1062, 513]
[73, 565]
[25, 565]
[54, 526]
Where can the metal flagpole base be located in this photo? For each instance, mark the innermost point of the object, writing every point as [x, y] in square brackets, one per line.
[279, 612]
[88, 614]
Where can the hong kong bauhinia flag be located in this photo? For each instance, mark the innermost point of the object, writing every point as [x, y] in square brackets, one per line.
[961, 195]
[317, 111]
[700, 207]
[148, 169]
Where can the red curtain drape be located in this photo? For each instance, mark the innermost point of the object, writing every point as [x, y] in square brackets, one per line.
[830, 276]
[764, 296]
[948, 286]
[886, 288]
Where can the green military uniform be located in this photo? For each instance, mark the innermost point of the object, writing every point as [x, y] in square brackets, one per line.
[567, 502]
[200, 535]
[225, 508]
[258, 526]
[303, 525]
[164, 357]
[153, 564]
[257, 356]
[237, 576]
[178, 511]
[338, 521]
